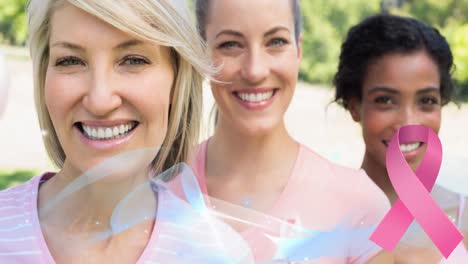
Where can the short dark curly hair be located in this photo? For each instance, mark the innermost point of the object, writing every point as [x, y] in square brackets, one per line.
[384, 34]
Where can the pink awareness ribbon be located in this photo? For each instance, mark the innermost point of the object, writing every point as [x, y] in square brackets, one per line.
[415, 202]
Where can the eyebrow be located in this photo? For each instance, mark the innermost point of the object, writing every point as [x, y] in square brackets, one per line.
[229, 32]
[275, 29]
[129, 43]
[385, 89]
[394, 91]
[239, 34]
[120, 46]
[67, 45]
[428, 90]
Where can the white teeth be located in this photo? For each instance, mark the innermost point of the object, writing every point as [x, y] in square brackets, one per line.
[115, 132]
[255, 97]
[103, 133]
[409, 147]
[108, 132]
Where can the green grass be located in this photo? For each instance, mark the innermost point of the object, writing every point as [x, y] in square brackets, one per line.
[12, 178]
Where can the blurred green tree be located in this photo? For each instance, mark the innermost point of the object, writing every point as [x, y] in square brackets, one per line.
[326, 23]
[12, 178]
[13, 26]
[459, 42]
[451, 18]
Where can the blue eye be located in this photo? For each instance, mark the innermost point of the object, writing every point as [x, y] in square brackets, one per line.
[135, 61]
[229, 45]
[278, 42]
[69, 61]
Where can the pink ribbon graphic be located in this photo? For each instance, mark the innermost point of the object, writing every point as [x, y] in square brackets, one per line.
[414, 200]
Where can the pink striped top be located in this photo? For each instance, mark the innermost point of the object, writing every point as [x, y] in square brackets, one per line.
[193, 239]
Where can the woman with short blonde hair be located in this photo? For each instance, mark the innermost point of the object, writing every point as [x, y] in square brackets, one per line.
[118, 94]
[174, 30]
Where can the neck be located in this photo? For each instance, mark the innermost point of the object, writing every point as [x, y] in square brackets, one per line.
[250, 157]
[73, 202]
[378, 174]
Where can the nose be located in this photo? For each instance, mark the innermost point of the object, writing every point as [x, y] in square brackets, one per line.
[101, 97]
[255, 67]
[408, 116]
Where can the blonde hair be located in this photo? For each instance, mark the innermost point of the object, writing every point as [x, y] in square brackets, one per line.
[163, 22]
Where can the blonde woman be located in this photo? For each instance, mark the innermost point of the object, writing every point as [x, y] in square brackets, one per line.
[110, 77]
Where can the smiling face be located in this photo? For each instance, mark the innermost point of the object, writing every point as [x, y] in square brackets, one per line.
[398, 90]
[259, 61]
[106, 92]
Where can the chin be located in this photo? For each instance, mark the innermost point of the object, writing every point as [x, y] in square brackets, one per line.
[259, 130]
[414, 164]
[112, 169]
[260, 127]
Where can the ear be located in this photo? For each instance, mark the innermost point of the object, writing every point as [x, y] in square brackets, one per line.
[354, 108]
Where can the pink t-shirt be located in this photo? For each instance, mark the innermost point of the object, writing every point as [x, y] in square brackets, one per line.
[187, 239]
[319, 195]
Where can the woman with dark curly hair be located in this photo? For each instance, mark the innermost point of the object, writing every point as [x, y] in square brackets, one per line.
[396, 71]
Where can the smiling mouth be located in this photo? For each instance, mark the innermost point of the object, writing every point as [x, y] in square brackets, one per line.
[106, 132]
[255, 97]
[407, 147]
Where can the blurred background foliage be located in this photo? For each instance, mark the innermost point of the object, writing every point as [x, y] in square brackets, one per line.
[451, 18]
[327, 21]
[11, 178]
[13, 26]
[325, 25]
